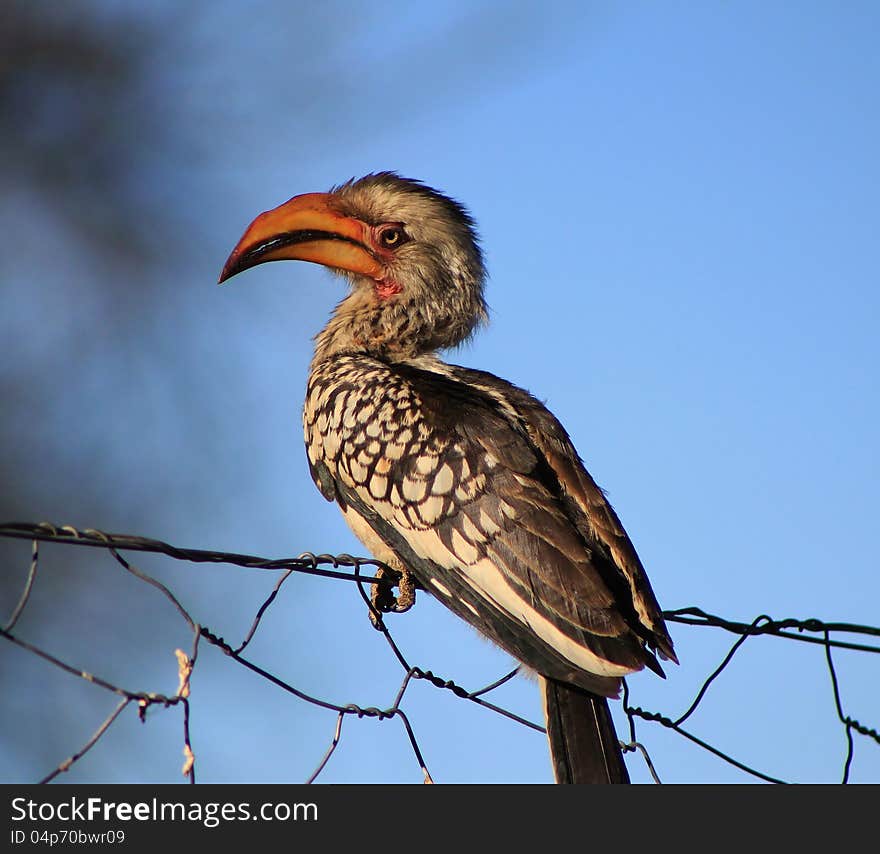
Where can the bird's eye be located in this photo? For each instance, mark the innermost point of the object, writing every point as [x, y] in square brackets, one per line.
[392, 236]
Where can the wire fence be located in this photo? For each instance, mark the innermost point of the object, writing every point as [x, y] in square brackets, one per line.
[374, 583]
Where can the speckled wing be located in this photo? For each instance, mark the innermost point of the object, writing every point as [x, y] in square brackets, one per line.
[464, 480]
[586, 503]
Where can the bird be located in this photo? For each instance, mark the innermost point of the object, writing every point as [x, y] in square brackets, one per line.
[465, 485]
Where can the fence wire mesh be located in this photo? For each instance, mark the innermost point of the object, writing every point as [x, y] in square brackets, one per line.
[374, 582]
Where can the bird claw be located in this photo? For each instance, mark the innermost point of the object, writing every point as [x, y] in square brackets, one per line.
[383, 599]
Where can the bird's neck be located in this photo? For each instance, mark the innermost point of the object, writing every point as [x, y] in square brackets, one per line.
[395, 330]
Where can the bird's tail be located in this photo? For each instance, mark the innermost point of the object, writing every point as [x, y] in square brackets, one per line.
[583, 744]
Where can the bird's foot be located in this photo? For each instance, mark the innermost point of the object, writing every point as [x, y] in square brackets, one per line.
[383, 599]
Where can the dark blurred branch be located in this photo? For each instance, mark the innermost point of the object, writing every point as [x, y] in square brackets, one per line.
[77, 131]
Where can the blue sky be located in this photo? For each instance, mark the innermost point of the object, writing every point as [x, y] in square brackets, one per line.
[678, 204]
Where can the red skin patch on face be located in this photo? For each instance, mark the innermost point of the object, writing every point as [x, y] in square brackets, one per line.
[386, 290]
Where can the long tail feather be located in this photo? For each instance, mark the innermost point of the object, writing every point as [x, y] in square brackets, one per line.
[583, 744]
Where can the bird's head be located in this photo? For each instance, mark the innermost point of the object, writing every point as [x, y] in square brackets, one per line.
[410, 253]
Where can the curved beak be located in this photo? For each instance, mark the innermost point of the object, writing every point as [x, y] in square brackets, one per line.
[306, 228]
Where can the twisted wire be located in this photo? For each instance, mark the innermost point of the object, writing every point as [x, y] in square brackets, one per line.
[332, 567]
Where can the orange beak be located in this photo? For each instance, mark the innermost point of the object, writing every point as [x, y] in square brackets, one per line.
[306, 228]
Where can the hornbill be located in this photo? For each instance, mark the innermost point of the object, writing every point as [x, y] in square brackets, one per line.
[458, 480]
